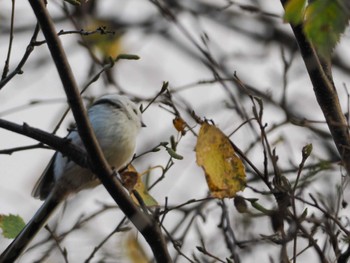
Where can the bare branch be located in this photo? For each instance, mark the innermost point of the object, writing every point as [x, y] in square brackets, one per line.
[144, 223]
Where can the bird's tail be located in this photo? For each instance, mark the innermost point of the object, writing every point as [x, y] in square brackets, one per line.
[20, 243]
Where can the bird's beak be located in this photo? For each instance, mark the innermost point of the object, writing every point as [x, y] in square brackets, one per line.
[143, 125]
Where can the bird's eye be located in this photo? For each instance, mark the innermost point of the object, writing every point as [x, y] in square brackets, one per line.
[135, 111]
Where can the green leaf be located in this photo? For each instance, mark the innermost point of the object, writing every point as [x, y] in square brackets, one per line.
[11, 225]
[173, 154]
[295, 11]
[259, 207]
[325, 20]
[303, 215]
[307, 149]
[128, 57]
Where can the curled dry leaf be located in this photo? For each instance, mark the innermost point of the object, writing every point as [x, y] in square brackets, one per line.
[224, 170]
[131, 180]
[179, 125]
[240, 204]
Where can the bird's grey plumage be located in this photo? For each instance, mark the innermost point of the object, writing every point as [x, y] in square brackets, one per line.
[116, 122]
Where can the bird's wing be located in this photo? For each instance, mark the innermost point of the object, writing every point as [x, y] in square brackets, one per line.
[46, 181]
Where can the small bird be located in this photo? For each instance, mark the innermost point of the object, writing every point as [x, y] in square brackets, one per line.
[116, 122]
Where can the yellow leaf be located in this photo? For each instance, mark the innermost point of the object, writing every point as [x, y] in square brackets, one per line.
[134, 251]
[146, 197]
[224, 170]
[107, 42]
[132, 181]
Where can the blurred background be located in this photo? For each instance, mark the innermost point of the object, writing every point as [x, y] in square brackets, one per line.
[217, 56]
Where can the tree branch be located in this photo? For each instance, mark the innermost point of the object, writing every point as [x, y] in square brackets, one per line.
[77, 154]
[144, 223]
[18, 69]
[326, 94]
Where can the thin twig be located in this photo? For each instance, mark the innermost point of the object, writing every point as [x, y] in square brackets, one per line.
[143, 222]
[11, 36]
